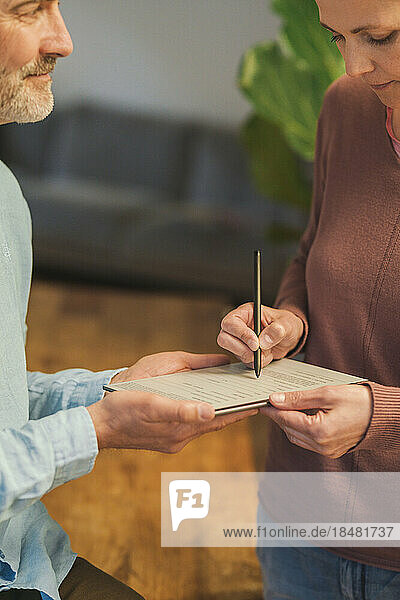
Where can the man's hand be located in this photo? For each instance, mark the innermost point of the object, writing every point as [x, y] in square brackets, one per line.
[140, 420]
[281, 332]
[166, 363]
[337, 419]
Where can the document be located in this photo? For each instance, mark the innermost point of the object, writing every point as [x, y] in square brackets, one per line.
[234, 387]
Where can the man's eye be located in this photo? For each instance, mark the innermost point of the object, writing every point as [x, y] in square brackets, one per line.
[30, 10]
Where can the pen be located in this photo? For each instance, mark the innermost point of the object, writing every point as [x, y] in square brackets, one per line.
[257, 308]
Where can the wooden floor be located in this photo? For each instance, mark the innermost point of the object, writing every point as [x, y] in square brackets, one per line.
[113, 514]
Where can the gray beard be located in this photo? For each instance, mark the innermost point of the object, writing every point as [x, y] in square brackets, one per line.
[23, 100]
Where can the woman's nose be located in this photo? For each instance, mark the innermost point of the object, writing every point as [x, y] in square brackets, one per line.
[357, 61]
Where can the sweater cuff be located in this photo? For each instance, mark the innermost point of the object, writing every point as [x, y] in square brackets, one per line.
[302, 315]
[383, 432]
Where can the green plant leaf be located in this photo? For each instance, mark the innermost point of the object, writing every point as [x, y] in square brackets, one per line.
[274, 165]
[286, 81]
[305, 39]
[284, 92]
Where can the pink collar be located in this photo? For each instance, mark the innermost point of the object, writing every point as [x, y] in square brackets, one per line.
[389, 127]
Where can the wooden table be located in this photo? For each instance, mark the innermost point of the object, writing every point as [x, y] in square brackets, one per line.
[113, 514]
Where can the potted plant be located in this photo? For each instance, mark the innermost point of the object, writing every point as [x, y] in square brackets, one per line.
[285, 81]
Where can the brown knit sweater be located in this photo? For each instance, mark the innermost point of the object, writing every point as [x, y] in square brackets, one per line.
[344, 283]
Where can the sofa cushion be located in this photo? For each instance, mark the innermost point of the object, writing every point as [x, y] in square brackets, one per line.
[217, 171]
[218, 177]
[130, 235]
[119, 148]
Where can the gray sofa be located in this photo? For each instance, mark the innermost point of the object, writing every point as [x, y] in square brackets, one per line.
[135, 200]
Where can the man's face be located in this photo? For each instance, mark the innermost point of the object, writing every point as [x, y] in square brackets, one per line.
[367, 33]
[32, 36]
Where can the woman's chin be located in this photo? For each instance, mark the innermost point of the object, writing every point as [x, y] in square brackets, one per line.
[389, 96]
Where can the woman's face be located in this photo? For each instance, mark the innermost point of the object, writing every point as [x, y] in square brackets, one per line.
[367, 33]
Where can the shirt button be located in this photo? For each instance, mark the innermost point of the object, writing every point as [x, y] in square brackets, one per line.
[2, 555]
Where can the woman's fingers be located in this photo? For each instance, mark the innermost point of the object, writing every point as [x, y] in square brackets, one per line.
[279, 335]
[234, 345]
[241, 351]
[266, 358]
[300, 439]
[239, 324]
[272, 335]
[236, 324]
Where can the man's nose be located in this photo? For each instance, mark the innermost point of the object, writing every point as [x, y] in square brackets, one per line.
[57, 41]
[357, 61]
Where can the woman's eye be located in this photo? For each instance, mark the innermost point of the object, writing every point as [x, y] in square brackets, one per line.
[382, 41]
[371, 40]
[335, 38]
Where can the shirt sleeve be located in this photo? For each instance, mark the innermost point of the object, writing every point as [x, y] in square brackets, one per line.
[42, 455]
[292, 294]
[50, 393]
[59, 442]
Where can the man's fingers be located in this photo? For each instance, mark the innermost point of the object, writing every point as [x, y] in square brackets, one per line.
[215, 425]
[323, 398]
[165, 363]
[225, 420]
[222, 421]
[158, 409]
[202, 361]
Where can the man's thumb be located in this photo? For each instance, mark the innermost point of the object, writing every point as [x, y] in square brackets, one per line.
[188, 412]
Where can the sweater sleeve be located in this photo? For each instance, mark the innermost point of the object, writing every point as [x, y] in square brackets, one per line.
[383, 432]
[292, 294]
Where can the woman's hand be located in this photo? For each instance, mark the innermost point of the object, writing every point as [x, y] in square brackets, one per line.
[281, 332]
[337, 419]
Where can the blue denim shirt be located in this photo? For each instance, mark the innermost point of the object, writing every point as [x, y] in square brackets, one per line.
[46, 434]
[57, 444]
